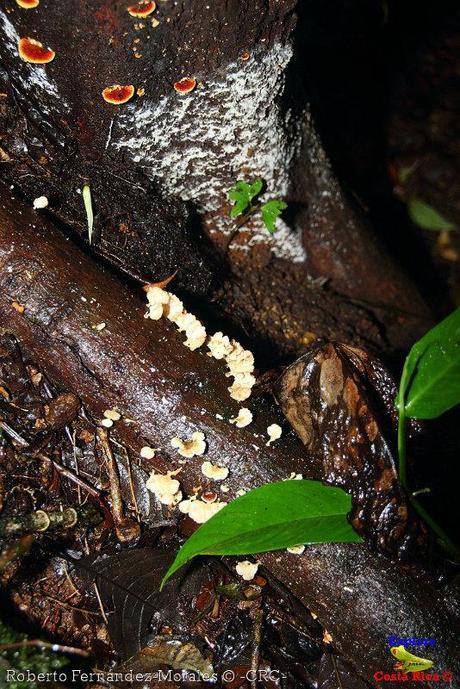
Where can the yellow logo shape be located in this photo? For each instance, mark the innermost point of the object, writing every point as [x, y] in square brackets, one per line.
[408, 662]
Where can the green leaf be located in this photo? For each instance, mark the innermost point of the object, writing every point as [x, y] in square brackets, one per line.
[277, 515]
[427, 217]
[430, 382]
[242, 194]
[270, 211]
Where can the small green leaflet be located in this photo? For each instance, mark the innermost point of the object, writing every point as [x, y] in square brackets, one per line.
[430, 382]
[427, 217]
[274, 516]
[86, 193]
[242, 194]
[270, 211]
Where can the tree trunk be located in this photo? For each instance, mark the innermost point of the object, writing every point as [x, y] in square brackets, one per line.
[143, 369]
[160, 166]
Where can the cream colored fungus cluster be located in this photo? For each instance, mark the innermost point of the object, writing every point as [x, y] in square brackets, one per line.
[240, 365]
[240, 361]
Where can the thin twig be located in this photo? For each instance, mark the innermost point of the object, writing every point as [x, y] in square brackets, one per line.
[58, 648]
[13, 434]
[126, 529]
[99, 600]
[257, 639]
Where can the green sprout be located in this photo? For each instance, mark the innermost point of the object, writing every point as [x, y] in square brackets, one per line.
[86, 193]
[245, 203]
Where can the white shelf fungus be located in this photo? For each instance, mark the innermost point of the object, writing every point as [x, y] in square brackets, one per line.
[240, 361]
[162, 303]
[247, 570]
[165, 488]
[243, 419]
[219, 346]
[189, 448]
[274, 432]
[214, 472]
[200, 511]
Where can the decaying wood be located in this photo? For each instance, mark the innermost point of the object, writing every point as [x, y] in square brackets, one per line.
[143, 369]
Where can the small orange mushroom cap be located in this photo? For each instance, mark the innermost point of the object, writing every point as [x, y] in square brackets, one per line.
[185, 85]
[33, 51]
[28, 4]
[118, 94]
[142, 9]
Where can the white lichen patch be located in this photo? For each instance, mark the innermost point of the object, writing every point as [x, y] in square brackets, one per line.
[196, 445]
[243, 419]
[200, 511]
[197, 147]
[214, 472]
[296, 549]
[274, 432]
[165, 488]
[247, 570]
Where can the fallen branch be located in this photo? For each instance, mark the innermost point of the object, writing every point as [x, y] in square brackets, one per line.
[143, 369]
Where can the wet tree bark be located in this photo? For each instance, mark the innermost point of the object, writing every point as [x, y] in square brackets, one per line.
[143, 369]
[160, 166]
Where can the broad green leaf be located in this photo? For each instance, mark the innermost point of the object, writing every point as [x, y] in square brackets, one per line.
[430, 382]
[427, 217]
[270, 211]
[277, 515]
[242, 194]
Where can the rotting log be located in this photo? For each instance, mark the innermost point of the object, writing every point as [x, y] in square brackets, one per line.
[143, 369]
[160, 166]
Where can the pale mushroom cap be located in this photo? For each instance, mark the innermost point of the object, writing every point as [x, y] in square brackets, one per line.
[243, 419]
[247, 570]
[190, 448]
[201, 511]
[274, 432]
[213, 471]
[112, 414]
[165, 488]
[147, 452]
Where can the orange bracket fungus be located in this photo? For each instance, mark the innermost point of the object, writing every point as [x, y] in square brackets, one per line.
[31, 50]
[142, 9]
[118, 94]
[28, 4]
[185, 85]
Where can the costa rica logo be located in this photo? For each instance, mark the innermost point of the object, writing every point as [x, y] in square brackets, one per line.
[408, 662]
